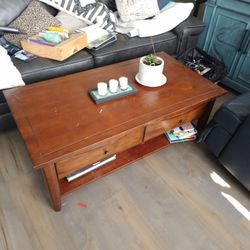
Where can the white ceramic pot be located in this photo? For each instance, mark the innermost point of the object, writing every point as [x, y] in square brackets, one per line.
[151, 76]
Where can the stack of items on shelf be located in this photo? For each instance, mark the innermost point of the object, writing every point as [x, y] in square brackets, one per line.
[186, 132]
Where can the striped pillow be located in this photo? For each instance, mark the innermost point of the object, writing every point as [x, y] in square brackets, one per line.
[96, 13]
[91, 13]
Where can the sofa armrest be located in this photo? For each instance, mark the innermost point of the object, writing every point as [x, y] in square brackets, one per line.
[240, 106]
[187, 33]
[233, 112]
[235, 157]
[215, 137]
[227, 120]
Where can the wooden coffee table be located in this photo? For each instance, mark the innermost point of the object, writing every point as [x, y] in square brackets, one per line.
[64, 130]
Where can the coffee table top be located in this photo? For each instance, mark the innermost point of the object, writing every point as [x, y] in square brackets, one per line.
[57, 116]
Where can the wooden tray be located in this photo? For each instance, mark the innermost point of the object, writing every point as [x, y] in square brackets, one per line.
[59, 52]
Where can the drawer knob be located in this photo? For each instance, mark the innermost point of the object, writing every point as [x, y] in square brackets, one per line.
[105, 151]
[180, 121]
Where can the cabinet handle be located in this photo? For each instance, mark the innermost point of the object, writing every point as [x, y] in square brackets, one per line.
[245, 42]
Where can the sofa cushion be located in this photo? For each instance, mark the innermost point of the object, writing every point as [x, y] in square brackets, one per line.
[127, 48]
[32, 20]
[42, 69]
[10, 9]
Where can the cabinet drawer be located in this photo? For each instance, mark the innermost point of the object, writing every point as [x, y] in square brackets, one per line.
[100, 151]
[158, 127]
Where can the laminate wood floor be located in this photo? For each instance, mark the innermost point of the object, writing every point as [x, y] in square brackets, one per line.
[167, 200]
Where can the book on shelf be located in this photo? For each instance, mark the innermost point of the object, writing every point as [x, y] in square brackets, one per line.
[185, 132]
[89, 168]
[185, 127]
[174, 139]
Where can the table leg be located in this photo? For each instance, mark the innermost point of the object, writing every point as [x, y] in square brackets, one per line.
[204, 118]
[53, 186]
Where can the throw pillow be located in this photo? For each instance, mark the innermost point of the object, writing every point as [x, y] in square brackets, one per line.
[32, 20]
[163, 3]
[131, 10]
[96, 13]
[10, 76]
[91, 13]
[172, 15]
[69, 22]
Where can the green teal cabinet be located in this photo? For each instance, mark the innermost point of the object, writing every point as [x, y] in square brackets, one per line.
[227, 37]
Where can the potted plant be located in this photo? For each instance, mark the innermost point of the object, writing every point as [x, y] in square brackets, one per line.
[151, 70]
[152, 60]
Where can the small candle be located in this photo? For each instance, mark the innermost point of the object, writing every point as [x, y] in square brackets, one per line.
[113, 85]
[123, 81]
[102, 88]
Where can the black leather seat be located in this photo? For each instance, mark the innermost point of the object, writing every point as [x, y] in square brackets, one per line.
[227, 136]
[42, 69]
[127, 47]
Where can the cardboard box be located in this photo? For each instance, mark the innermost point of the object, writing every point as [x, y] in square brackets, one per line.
[59, 52]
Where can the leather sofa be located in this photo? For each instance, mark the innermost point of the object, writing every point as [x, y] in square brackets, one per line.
[227, 136]
[174, 42]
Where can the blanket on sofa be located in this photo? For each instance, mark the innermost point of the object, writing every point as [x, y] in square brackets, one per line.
[10, 76]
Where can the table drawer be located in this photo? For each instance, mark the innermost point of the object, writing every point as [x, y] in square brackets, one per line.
[100, 151]
[158, 127]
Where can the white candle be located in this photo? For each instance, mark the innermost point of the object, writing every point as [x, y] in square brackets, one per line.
[123, 81]
[102, 88]
[113, 85]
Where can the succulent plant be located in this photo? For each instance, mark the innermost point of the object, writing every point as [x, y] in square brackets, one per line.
[151, 60]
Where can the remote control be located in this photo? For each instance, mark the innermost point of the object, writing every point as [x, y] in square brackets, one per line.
[11, 48]
[12, 30]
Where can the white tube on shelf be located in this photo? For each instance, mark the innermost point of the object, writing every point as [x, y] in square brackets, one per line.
[89, 168]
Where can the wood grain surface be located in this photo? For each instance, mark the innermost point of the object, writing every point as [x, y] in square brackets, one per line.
[166, 201]
[57, 117]
[64, 130]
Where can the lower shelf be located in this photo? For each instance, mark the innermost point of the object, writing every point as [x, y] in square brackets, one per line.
[122, 160]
